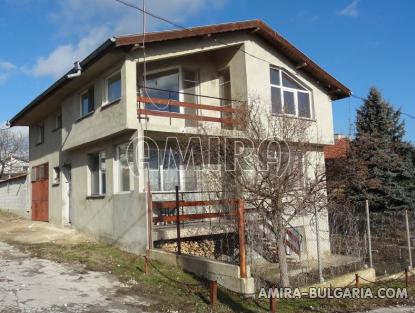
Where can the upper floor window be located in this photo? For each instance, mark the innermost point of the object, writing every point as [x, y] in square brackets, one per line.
[58, 120]
[87, 101]
[164, 85]
[40, 133]
[288, 96]
[113, 88]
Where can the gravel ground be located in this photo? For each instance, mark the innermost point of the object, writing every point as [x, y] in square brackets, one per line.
[393, 310]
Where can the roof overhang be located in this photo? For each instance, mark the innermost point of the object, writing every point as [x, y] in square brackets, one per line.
[333, 87]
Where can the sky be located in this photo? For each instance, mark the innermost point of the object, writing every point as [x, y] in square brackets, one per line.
[362, 43]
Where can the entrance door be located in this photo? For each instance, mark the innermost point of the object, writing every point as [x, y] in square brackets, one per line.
[40, 193]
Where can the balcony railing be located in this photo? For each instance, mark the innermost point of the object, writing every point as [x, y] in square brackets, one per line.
[170, 107]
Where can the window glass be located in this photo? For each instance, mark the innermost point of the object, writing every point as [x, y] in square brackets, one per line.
[276, 100]
[164, 85]
[289, 82]
[275, 76]
[87, 102]
[98, 173]
[114, 88]
[125, 163]
[289, 104]
[296, 100]
[304, 108]
[56, 175]
[40, 133]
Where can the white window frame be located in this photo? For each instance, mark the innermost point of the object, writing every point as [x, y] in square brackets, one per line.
[117, 168]
[180, 69]
[100, 181]
[293, 90]
[106, 85]
[86, 91]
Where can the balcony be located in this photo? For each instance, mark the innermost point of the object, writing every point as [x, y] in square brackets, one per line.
[162, 106]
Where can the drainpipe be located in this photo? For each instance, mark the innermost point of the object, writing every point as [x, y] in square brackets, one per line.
[78, 69]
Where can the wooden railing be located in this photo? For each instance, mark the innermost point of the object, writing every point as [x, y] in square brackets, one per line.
[142, 111]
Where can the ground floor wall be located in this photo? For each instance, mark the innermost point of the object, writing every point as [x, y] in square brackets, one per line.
[14, 196]
[115, 217]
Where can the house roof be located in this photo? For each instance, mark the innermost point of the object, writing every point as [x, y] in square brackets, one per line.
[334, 88]
[338, 150]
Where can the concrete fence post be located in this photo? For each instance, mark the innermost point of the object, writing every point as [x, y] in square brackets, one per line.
[369, 237]
[319, 261]
[179, 243]
[408, 238]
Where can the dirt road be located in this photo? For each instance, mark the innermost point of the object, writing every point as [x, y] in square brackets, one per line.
[34, 285]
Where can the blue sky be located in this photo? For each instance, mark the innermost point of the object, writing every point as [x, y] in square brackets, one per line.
[360, 42]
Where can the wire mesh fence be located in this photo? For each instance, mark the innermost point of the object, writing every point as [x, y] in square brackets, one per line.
[318, 247]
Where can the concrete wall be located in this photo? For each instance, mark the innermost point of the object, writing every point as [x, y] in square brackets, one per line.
[227, 275]
[119, 218]
[14, 196]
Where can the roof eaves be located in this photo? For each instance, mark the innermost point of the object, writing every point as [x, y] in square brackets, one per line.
[85, 63]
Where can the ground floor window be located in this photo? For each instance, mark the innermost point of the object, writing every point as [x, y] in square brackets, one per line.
[97, 173]
[166, 170]
[125, 163]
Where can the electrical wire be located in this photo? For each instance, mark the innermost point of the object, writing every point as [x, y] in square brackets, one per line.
[146, 12]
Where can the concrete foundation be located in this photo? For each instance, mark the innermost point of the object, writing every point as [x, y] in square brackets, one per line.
[227, 275]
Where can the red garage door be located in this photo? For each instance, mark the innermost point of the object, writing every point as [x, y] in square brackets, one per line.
[40, 193]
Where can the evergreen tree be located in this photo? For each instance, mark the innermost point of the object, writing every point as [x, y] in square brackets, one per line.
[382, 162]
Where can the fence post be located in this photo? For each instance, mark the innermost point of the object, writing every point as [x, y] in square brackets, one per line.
[357, 280]
[408, 238]
[272, 302]
[369, 237]
[179, 244]
[146, 267]
[241, 235]
[213, 292]
[319, 262]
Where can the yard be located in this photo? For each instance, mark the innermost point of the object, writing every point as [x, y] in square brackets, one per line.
[48, 269]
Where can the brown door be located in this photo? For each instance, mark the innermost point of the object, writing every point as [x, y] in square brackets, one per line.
[40, 193]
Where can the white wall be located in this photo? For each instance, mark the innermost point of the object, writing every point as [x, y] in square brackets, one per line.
[14, 196]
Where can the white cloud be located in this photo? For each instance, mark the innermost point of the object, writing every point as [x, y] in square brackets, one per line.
[6, 68]
[351, 10]
[60, 60]
[98, 20]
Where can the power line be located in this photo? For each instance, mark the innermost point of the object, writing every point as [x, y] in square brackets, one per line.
[144, 11]
[188, 29]
[365, 99]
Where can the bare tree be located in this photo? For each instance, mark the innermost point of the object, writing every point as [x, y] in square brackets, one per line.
[11, 144]
[274, 165]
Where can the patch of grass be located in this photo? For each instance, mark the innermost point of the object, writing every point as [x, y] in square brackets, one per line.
[175, 290]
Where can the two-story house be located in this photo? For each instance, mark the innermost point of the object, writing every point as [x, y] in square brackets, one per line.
[156, 86]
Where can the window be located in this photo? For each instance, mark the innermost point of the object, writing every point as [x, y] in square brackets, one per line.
[40, 172]
[125, 161]
[97, 173]
[58, 121]
[167, 169]
[288, 96]
[56, 175]
[114, 88]
[164, 85]
[190, 91]
[40, 133]
[87, 101]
